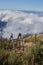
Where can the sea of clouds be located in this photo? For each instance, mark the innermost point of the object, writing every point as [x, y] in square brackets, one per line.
[21, 22]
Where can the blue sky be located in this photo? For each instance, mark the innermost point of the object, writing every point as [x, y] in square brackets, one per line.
[35, 5]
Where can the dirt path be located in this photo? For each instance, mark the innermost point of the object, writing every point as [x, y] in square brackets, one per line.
[28, 44]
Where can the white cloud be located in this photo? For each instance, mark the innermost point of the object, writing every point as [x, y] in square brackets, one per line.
[18, 21]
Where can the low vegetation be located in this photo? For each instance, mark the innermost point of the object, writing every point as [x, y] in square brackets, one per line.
[31, 55]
